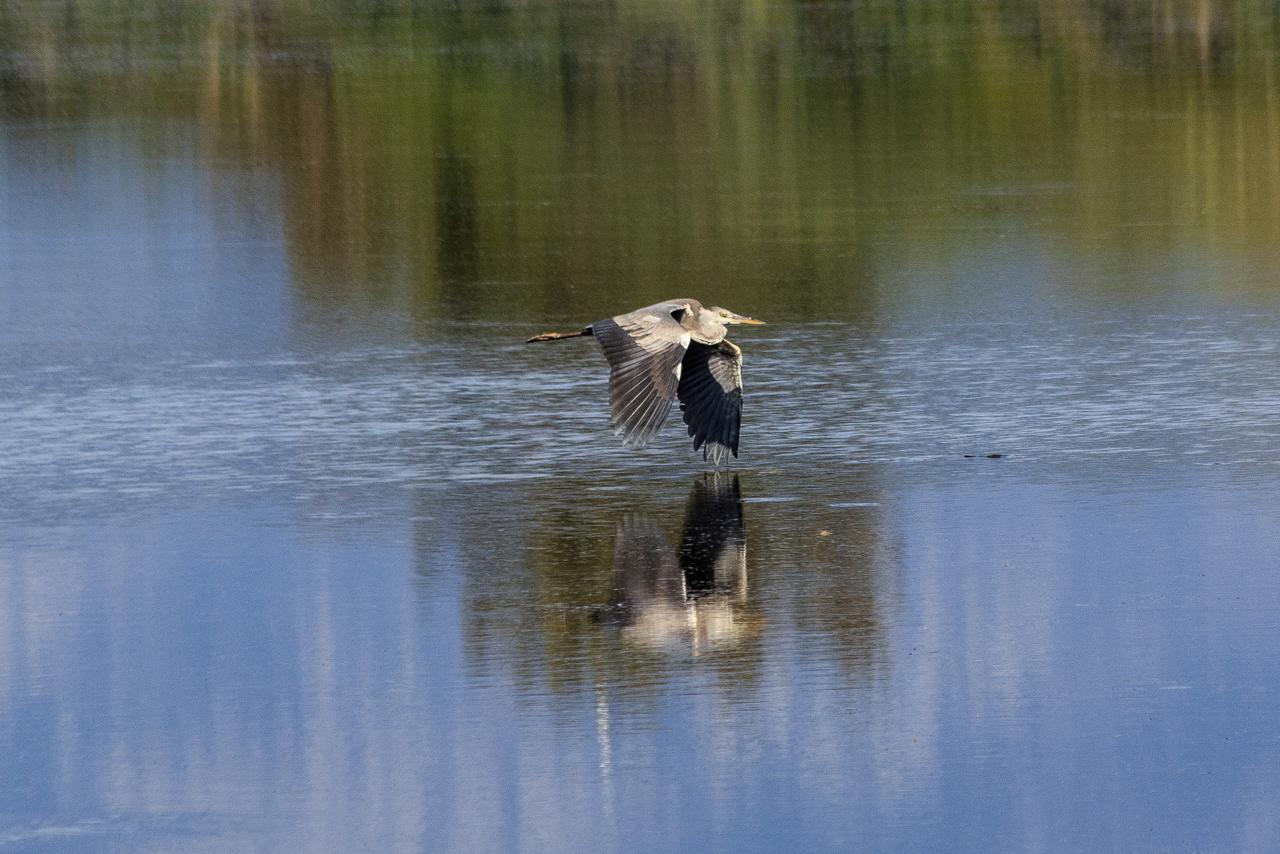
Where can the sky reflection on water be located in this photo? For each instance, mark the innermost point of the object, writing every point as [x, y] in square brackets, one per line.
[968, 663]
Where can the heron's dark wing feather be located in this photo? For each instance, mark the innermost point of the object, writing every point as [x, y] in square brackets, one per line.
[644, 350]
[713, 546]
[710, 394]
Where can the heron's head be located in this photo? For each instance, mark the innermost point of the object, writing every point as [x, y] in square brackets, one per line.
[723, 315]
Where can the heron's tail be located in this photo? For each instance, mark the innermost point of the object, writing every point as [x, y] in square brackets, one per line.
[556, 336]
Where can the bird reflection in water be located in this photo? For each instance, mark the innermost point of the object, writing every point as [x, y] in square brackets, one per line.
[691, 600]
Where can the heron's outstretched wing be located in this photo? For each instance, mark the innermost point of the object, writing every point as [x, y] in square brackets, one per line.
[710, 393]
[713, 548]
[644, 564]
[644, 349]
[649, 586]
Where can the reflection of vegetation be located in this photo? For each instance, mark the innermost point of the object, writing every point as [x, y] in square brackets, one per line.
[841, 562]
[547, 155]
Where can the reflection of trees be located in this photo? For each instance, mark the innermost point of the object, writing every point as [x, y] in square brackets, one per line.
[456, 205]
[834, 572]
[522, 154]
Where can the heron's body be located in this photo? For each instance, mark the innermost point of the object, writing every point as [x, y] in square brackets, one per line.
[667, 351]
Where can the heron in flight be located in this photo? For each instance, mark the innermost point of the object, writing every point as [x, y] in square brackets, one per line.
[674, 349]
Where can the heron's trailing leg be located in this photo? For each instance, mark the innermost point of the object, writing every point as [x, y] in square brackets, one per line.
[556, 336]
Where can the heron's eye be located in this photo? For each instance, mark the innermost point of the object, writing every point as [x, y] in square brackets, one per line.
[724, 314]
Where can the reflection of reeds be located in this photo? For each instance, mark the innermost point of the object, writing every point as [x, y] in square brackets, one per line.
[440, 159]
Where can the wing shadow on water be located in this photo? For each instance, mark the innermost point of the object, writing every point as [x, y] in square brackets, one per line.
[692, 599]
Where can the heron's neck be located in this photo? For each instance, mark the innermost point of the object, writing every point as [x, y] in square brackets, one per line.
[707, 331]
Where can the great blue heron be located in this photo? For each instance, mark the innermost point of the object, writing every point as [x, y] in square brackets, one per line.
[673, 349]
[694, 598]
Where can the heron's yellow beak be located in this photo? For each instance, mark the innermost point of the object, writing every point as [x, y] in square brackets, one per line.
[751, 321]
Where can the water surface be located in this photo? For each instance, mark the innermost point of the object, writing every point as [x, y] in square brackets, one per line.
[304, 549]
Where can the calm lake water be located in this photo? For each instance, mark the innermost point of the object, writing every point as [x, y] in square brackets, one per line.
[301, 548]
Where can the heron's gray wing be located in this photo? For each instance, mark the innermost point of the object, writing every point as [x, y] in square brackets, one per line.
[710, 393]
[644, 564]
[649, 586]
[644, 349]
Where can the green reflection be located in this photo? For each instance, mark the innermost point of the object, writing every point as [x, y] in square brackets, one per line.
[565, 161]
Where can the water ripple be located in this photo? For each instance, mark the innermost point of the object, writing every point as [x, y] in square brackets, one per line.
[482, 409]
